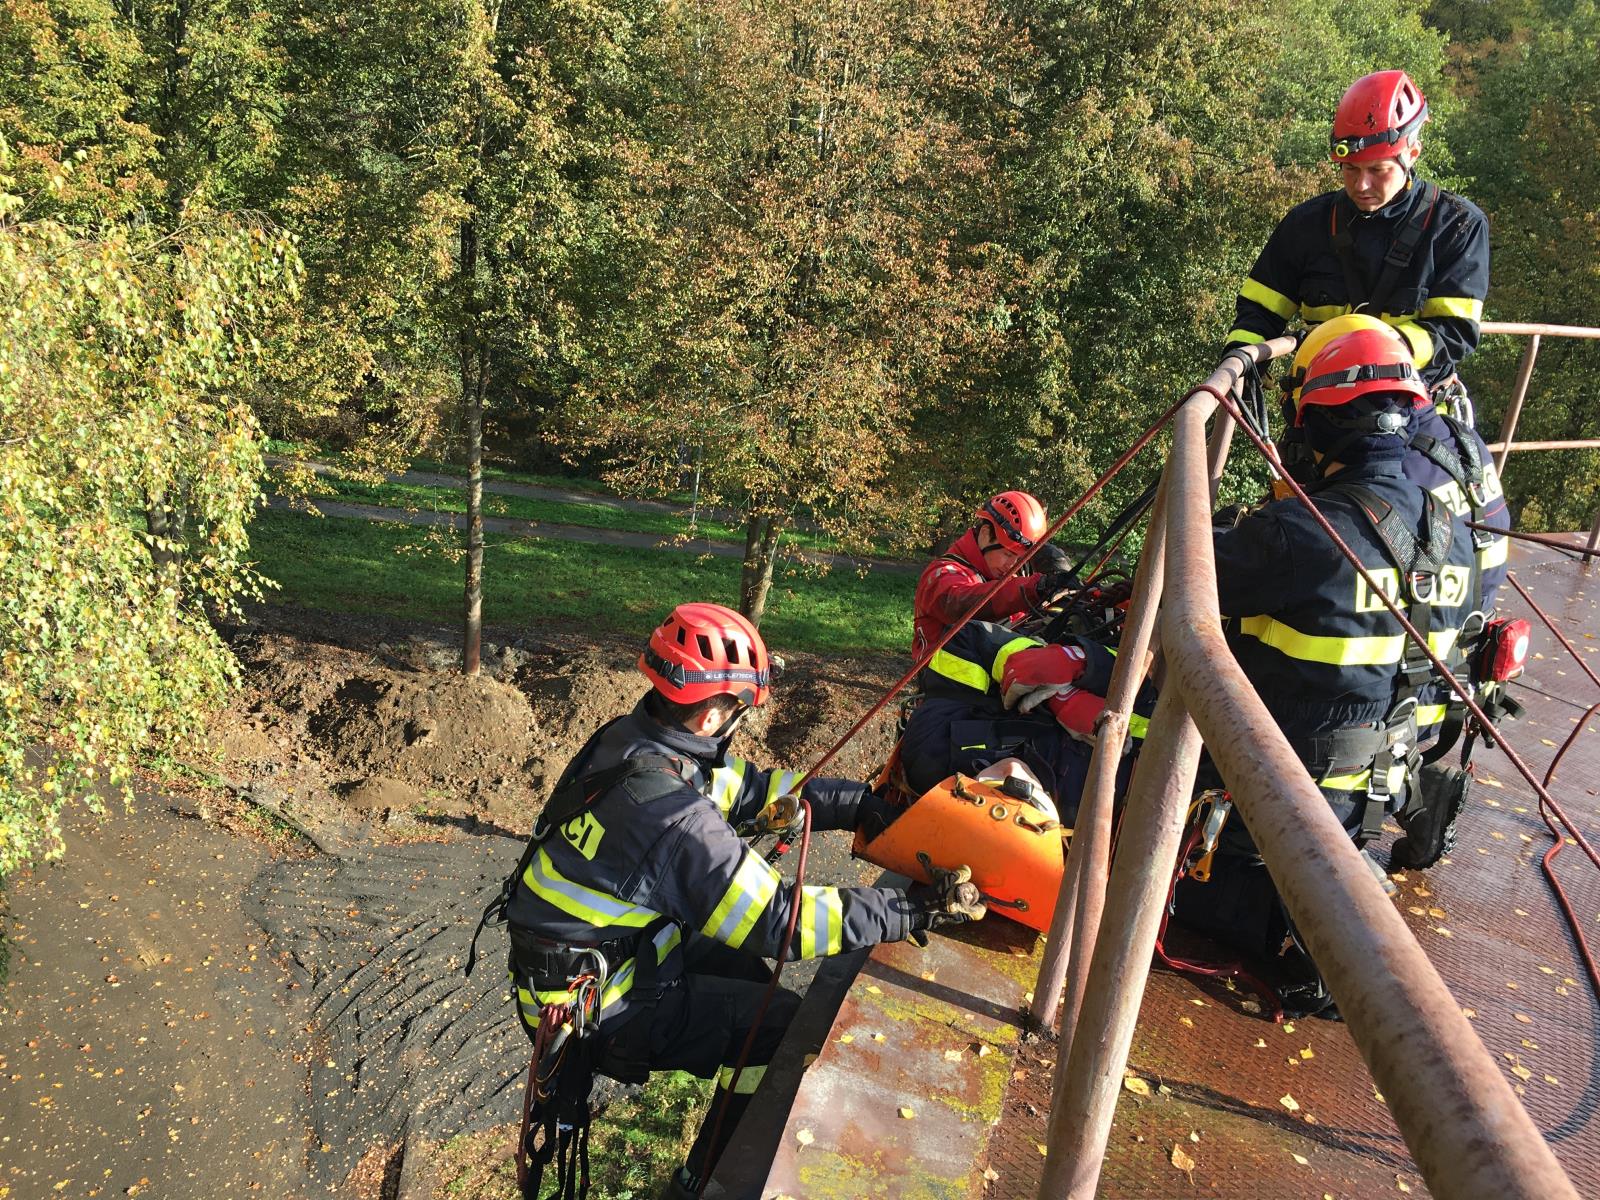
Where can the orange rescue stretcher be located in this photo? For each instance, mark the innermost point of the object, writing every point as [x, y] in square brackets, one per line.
[1014, 849]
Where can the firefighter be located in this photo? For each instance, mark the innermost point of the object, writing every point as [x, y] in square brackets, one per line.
[992, 695]
[635, 872]
[1388, 243]
[1004, 528]
[1330, 663]
[1449, 459]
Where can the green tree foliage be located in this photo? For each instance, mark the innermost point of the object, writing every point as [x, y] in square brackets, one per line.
[119, 363]
[811, 277]
[1528, 146]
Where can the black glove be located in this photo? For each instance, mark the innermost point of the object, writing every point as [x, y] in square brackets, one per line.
[951, 899]
[1053, 583]
[1050, 557]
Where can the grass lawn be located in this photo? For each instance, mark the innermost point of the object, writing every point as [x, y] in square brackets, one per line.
[394, 494]
[633, 1147]
[359, 566]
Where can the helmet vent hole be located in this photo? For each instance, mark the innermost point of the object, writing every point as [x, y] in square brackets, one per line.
[732, 647]
[683, 639]
[705, 645]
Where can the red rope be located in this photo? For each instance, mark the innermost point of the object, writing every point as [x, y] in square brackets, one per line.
[927, 656]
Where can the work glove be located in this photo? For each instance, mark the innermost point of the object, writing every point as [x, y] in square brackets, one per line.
[1034, 675]
[1052, 583]
[951, 899]
[1076, 711]
[781, 816]
[1050, 557]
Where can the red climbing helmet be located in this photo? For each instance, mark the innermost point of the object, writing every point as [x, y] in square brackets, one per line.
[705, 650]
[1358, 363]
[1379, 114]
[1016, 518]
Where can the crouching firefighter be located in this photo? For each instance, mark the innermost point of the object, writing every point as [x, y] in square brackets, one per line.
[992, 694]
[1329, 661]
[1449, 459]
[639, 918]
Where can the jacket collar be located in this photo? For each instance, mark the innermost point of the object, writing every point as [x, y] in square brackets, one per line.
[1361, 472]
[1397, 208]
[965, 550]
[708, 751]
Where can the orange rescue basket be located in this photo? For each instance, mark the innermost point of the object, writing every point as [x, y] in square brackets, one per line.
[1014, 850]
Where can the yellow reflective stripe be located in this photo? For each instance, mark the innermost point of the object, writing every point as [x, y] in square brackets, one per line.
[1464, 307]
[1272, 301]
[1357, 782]
[749, 1079]
[784, 783]
[1338, 651]
[1006, 651]
[741, 906]
[1429, 715]
[1494, 554]
[821, 921]
[1315, 314]
[1419, 339]
[1138, 726]
[959, 669]
[1243, 337]
[585, 903]
[726, 782]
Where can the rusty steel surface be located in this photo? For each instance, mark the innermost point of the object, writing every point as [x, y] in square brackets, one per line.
[1291, 1110]
[1083, 883]
[905, 1090]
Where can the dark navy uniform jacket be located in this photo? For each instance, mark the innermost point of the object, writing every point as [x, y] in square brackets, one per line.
[1319, 647]
[1436, 302]
[674, 866]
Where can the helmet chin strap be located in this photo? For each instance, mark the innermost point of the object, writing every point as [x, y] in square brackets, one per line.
[724, 731]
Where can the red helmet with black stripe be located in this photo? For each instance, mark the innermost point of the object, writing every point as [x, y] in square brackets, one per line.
[1017, 519]
[706, 650]
[1363, 362]
[1379, 115]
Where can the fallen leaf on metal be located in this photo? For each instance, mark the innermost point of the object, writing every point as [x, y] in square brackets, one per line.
[1181, 1160]
[1301, 1159]
[908, 1113]
[1136, 1085]
[1289, 1102]
[805, 1137]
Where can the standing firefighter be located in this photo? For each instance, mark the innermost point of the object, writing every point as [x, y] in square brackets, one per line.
[1331, 664]
[1004, 528]
[1388, 244]
[639, 918]
[1402, 250]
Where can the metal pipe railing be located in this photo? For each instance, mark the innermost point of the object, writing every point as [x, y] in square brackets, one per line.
[1533, 331]
[1466, 1130]
[1069, 946]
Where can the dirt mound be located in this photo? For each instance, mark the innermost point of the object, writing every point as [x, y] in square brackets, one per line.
[369, 717]
[441, 732]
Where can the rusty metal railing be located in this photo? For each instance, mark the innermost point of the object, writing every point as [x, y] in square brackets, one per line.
[1535, 333]
[1466, 1130]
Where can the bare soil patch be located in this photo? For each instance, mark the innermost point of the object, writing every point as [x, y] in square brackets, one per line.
[355, 720]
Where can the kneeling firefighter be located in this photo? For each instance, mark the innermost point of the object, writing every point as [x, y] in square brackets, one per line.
[991, 693]
[1448, 458]
[639, 918]
[1329, 661]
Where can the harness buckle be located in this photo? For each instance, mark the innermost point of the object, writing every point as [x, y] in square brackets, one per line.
[586, 988]
[1424, 586]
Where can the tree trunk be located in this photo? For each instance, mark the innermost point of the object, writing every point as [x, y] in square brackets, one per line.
[167, 522]
[760, 553]
[474, 382]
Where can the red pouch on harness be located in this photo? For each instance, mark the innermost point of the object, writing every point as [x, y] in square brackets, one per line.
[1505, 649]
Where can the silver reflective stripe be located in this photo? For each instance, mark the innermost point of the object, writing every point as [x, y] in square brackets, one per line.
[596, 908]
[726, 783]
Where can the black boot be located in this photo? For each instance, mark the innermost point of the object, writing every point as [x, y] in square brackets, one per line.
[1429, 818]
